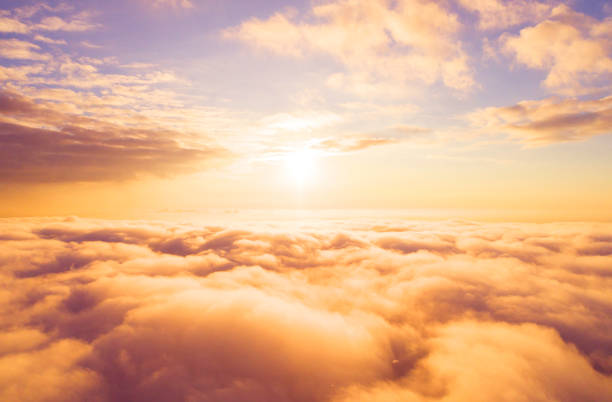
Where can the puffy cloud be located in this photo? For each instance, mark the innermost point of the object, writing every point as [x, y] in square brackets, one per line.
[8, 24]
[548, 121]
[572, 47]
[21, 50]
[377, 41]
[361, 311]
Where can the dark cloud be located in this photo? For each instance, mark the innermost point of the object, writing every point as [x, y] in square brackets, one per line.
[50, 146]
[125, 311]
[549, 120]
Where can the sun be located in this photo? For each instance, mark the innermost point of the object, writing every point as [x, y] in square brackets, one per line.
[300, 166]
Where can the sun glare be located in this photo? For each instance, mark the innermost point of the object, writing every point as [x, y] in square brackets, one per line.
[301, 166]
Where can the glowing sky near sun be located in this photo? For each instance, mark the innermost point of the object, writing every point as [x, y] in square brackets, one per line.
[117, 108]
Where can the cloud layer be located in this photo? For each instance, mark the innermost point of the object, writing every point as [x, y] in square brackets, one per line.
[453, 311]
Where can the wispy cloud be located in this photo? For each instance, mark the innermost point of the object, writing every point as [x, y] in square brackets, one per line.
[182, 4]
[501, 14]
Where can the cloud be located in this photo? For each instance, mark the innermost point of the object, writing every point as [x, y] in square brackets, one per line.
[21, 50]
[12, 25]
[19, 20]
[548, 121]
[392, 135]
[111, 310]
[74, 109]
[186, 4]
[77, 23]
[353, 144]
[573, 48]
[369, 38]
[43, 144]
[90, 45]
[52, 41]
[501, 14]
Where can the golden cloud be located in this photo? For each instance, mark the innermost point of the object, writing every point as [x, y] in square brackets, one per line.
[548, 121]
[377, 41]
[500, 14]
[43, 143]
[574, 48]
[417, 311]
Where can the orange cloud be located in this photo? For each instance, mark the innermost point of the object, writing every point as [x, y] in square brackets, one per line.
[19, 49]
[500, 14]
[377, 41]
[19, 20]
[392, 135]
[100, 310]
[45, 144]
[549, 120]
[572, 47]
[77, 23]
[8, 24]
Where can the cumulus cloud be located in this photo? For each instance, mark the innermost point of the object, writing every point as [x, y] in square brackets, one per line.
[135, 311]
[379, 42]
[573, 48]
[548, 121]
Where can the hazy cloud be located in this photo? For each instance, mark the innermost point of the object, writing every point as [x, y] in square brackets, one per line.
[171, 3]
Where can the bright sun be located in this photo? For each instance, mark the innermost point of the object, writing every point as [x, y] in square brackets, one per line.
[301, 166]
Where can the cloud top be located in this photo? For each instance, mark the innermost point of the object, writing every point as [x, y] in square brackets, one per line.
[455, 311]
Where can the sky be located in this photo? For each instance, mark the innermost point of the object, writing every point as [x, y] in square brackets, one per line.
[123, 109]
[306, 201]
